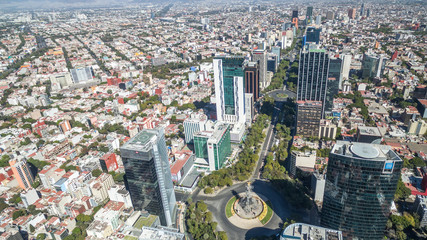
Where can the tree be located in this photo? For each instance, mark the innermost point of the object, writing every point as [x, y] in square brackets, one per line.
[15, 199]
[4, 162]
[222, 235]
[32, 229]
[3, 205]
[84, 218]
[38, 164]
[402, 192]
[109, 91]
[77, 231]
[201, 206]
[208, 190]
[97, 172]
[41, 236]
[18, 214]
[35, 184]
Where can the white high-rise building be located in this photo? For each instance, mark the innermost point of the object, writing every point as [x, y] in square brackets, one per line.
[346, 63]
[196, 123]
[229, 89]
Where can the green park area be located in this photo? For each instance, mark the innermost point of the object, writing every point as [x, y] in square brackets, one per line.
[229, 207]
[269, 214]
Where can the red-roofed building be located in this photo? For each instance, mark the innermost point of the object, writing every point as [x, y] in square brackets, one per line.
[115, 206]
[182, 165]
[109, 162]
[158, 91]
[113, 81]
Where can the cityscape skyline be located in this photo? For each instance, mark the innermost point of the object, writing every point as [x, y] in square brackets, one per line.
[213, 120]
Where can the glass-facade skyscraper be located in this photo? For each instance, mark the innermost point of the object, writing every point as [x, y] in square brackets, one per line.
[313, 75]
[334, 78]
[313, 35]
[373, 65]
[213, 145]
[229, 88]
[148, 175]
[360, 184]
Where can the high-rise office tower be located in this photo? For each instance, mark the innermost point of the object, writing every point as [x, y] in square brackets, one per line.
[22, 173]
[260, 56]
[309, 15]
[346, 64]
[276, 51]
[229, 88]
[294, 14]
[148, 176]
[352, 13]
[334, 78]
[196, 123]
[373, 65]
[313, 35]
[252, 79]
[359, 190]
[214, 146]
[308, 118]
[313, 75]
[362, 9]
[272, 63]
[318, 19]
[330, 15]
[368, 12]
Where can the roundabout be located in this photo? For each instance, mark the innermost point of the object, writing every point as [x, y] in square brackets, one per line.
[241, 225]
[248, 210]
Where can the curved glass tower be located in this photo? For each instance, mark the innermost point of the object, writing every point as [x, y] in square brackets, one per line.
[360, 186]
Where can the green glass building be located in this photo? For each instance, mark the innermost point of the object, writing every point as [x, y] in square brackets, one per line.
[373, 65]
[360, 184]
[214, 145]
[229, 88]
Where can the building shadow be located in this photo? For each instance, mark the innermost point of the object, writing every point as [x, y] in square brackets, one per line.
[262, 233]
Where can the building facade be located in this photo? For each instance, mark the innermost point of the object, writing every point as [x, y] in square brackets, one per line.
[229, 89]
[193, 125]
[313, 75]
[22, 173]
[260, 56]
[252, 79]
[214, 146]
[313, 35]
[301, 159]
[373, 65]
[360, 186]
[309, 114]
[148, 176]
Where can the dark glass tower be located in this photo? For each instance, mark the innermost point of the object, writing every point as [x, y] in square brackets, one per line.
[360, 184]
[294, 14]
[252, 79]
[313, 75]
[313, 35]
[309, 15]
[334, 78]
[148, 175]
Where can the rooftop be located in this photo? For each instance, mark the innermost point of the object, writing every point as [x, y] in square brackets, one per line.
[141, 141]
[374, 152]
[309, 232]
[149, 233]
[371, 131]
